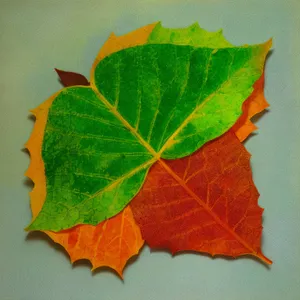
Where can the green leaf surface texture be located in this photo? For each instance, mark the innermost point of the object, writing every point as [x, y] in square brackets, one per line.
[163, 99]
[193, 35]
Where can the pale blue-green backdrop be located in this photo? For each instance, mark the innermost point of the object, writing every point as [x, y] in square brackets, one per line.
[38, 35]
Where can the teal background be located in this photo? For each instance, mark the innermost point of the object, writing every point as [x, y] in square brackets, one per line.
[37, 36]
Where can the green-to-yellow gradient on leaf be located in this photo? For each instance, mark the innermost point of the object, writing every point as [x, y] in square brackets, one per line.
[145, 102]
[177, 98]
[193, 35]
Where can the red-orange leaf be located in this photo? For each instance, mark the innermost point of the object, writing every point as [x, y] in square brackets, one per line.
[206, 202]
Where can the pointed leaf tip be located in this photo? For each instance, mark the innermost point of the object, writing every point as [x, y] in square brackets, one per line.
[71, 79]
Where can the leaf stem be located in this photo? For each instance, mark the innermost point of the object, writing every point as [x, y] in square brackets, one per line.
[264, 259]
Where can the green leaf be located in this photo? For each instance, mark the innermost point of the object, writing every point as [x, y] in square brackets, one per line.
[92, 162]
[145, 102]
[192, 36]
[179, 97]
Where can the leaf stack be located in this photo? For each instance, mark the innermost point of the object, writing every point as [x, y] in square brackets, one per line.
[150, 149]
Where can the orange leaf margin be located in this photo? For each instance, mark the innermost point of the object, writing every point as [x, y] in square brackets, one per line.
[254, 104]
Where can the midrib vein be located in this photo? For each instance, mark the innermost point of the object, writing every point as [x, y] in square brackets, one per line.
[191, 115]
[120, 117]
[142, 141]
[216, 218]
[119, 180]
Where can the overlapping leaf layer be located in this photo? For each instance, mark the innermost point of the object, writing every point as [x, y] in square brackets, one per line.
[156, 96]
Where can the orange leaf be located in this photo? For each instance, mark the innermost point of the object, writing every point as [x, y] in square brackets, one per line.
[110, 243]
[206, 202]
[255, 104]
